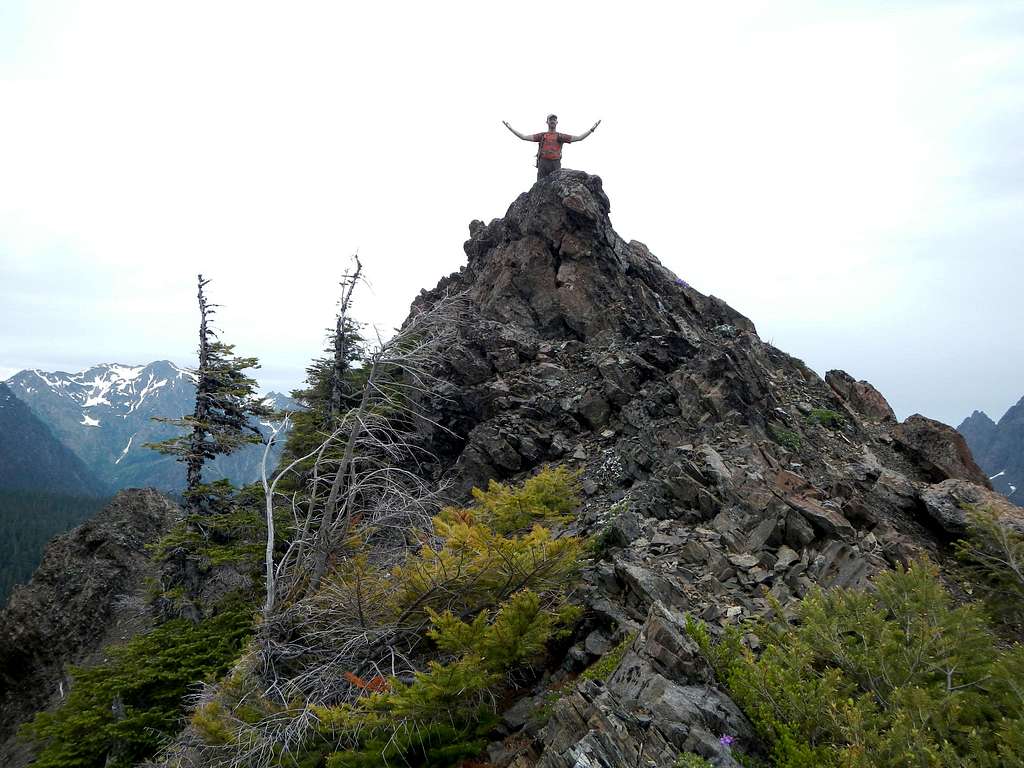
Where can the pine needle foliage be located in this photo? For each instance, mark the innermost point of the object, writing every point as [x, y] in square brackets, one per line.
[122, 711]
[403, 664]
[993, 554]
[899, 676]
[544, 498]
[225, 402]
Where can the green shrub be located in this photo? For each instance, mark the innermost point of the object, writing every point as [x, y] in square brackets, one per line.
[787, 438]
[895, 677]
[547, 497]
[232, 533]
[475, 607]
[993, 554]
[691, 760]
[602, 669]
[827, 418]
[120, 712]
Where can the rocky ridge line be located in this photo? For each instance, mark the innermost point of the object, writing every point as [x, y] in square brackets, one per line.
[717, 467]
[88, 592]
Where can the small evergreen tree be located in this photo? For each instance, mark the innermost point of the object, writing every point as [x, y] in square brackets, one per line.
[225, 402]
[334, 383]
[897, 677]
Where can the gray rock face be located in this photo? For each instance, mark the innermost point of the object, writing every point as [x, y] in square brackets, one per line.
[948, 503]
[87, 592]
[861, 396]
[710, 484]
[701, 465]
[658, 702]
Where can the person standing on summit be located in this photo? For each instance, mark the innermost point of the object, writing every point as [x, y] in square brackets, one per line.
[549, 153]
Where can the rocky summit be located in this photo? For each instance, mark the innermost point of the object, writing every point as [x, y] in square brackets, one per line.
[719, 475]
[722, 470]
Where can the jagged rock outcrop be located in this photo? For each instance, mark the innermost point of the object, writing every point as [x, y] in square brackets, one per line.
[939, 449]
[704, 465]
[712, 466]
[949, 502]
[861, 396]
[87, 593]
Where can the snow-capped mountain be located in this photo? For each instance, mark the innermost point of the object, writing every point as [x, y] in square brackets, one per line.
[105, 416]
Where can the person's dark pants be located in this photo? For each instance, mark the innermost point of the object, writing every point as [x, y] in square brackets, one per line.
[544, 167]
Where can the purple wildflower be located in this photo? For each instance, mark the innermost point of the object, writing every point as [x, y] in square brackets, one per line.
[680, 281]
[726, 741]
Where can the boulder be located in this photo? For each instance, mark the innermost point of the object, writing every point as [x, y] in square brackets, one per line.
[939, 450]
[862, 398]
[949, 502]
[828, 521]
[657, 703]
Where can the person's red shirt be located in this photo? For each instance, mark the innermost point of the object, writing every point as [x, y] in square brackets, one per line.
[551, 144]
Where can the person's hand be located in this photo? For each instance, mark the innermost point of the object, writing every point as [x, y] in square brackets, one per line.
[595, 125]
[505, 123]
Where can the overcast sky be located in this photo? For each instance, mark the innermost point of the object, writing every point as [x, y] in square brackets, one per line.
[850, 179]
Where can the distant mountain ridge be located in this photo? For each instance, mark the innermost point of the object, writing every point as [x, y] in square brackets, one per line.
[999, 449]
[33, 459]
[104, 415]
[45, 489]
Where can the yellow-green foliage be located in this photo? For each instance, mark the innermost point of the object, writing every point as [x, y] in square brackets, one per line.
[476, 567]
[827, 418]
[442, 715]
[484, 595]
[545, 498]
[691, 760]
[517, 632]
[895, 677]
[993, 553]
[603, 667]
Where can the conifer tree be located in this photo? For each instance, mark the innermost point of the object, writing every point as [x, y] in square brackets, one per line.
[330, 392]
[225, 402]
[334, 382]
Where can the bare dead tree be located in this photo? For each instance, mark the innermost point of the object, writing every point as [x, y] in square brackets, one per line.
[343, 338]
[364, 472]
[364, 504]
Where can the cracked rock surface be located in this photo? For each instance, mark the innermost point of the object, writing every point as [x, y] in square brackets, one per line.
[718, 469]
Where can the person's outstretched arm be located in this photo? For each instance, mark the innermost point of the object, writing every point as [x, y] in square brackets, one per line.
[523, 136]
[584, 135]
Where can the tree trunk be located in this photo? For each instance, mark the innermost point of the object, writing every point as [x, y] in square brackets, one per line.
[194, 475]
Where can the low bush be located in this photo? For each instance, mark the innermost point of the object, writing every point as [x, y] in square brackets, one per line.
[404, 664]
[691, 760]
[121, 711]
[898, 676]
[787, 438]
[827, 418]
[602, 669]
[993, 554]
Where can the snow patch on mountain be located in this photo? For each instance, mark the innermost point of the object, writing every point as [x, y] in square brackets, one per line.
[125, 451]
[109, 413]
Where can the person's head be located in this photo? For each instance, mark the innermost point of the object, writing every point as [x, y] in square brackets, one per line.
[552, 122]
